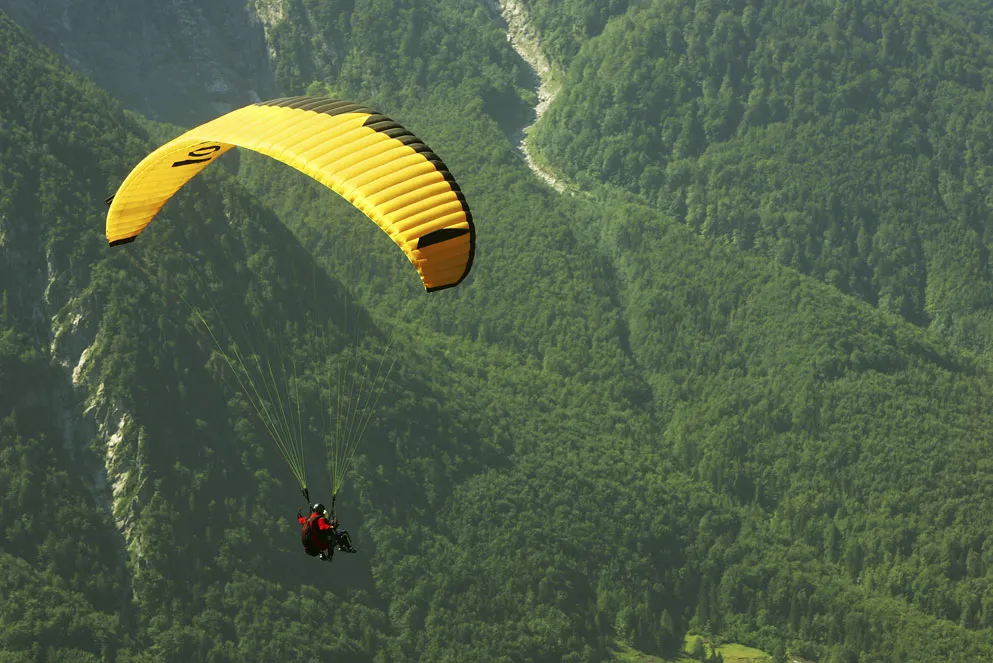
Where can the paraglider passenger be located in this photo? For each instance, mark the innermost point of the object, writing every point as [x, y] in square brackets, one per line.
[341, 539]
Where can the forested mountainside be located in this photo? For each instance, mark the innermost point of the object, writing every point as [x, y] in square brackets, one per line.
[618, 430]
[176, 60]
[849, 141]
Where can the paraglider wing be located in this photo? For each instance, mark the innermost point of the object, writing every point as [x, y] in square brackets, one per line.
[373, 162]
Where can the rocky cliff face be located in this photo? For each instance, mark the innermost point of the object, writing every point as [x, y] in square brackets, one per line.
[180, 61]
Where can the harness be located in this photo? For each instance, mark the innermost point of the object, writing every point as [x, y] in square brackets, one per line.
[307, 537]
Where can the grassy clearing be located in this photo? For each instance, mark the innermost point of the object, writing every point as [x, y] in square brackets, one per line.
[732, 653]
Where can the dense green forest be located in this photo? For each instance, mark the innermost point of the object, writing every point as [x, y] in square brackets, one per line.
[735, 391]
[850, 141]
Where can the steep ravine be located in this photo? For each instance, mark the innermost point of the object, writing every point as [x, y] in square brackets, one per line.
[524, 39]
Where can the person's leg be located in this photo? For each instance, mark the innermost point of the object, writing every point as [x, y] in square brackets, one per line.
[345, 542]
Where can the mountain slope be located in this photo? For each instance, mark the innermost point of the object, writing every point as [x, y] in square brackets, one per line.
[850, 143]
[186, 61]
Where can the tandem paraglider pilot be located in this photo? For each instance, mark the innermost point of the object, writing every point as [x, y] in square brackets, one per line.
[321, 535]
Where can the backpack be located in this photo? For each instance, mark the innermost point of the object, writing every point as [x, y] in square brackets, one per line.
[306, 538]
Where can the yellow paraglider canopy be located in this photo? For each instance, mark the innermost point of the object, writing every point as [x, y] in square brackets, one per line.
[370, 160]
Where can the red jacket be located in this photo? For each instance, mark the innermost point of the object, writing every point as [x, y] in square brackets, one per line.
[312, 531]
